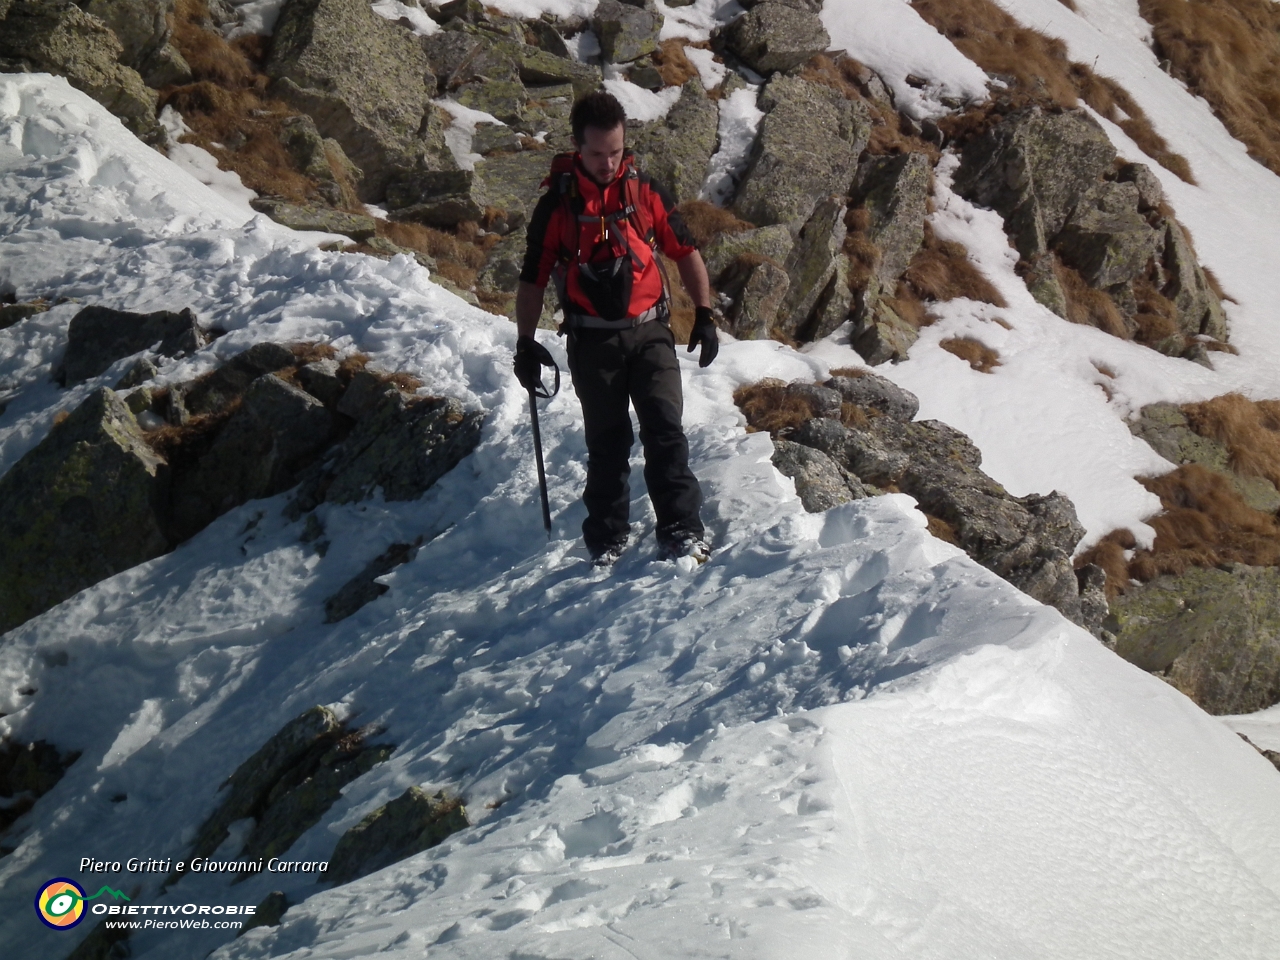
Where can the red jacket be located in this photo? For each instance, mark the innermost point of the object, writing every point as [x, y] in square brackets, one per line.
[555, 239]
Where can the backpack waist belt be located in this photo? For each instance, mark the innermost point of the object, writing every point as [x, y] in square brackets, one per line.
[585, 320]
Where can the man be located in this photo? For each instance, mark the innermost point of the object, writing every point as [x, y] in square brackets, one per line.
[595, 230]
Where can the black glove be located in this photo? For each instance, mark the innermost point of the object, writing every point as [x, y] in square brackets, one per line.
[704, 334]
[531, 356]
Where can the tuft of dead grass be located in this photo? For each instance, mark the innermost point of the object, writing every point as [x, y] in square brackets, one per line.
[458, 256]
[1250, 430]
[941, 529]
[1109, 554]
[673, 64]
[769, 408]
[227, 108]
[942, 271]
[1037, 69]
[1228, 52]
[1157, 317]
[1087, 306]
[851, 372]
[973, 352]
[706, 221]
[1205, 523]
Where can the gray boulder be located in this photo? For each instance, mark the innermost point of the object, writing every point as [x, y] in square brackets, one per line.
[311, 216]
[1106, 239]
[269, 912]
[142, 27]
[880, 335]
[626, 32]
[320, 379]
[409, 824]
[895, 193]
[820, 482]
[363, 80]
[807, 148]
[214, 392]
[775, 36]
[260, 451]
[675, 151]
[56, 36]
[873, 392]
[1150, 193]
[1199, 309]
[811, 266]
[82, 505]
[763, 243]
[507, 185]
[757, 289]
[321, 159]
[1026, 540]
[1213, 634]
[1033, 167]
[400, 444]
[99, 336]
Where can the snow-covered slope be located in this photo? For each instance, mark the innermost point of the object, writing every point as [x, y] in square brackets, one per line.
[838, 737]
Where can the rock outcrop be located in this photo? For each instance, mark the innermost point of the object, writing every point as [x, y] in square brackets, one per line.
[1213, 634]
[364, 81]
[99, 336]
[775, 36]
[675, 151]
[287, 785]
[807, 148]
[56, 36]
[143, 29]
[84, 504]
[1054, 178]
[861, 440]
[411, 823]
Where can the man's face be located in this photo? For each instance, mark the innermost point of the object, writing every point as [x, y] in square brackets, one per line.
[601, 152]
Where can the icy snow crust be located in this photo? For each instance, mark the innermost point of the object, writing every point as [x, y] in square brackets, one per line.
[839, 737]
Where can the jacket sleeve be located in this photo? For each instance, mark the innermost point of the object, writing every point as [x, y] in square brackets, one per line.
[542, 245]
[674, 238]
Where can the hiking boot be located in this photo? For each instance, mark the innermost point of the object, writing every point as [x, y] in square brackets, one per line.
[684, 545]
[608, 555]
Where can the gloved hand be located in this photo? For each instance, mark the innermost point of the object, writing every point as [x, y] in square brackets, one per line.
[530, 358]
[704, 335]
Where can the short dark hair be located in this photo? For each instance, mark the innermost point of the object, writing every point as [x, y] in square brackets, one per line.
[599, 109]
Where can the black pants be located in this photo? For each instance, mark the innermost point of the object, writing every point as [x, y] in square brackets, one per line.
[638, 365]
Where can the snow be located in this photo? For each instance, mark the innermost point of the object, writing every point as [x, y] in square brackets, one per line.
[711, 71]
[201, 164]
[256, 17]
[419, 22]
[641, 104]
[739, 120]
[839, 737]
[460, 133]
[892, 39]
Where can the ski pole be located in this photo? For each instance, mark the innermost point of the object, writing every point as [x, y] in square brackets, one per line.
[534, 394]
[542, 472]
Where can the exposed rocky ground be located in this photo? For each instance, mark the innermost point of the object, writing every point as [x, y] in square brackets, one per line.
[854, 436]
[134, 471]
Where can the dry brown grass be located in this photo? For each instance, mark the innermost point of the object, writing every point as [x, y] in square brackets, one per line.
[1157, 317]
[768, 407]
[942, 271]
[852, 372]
[1205, 523]
[1109, 554]
[1250, 430]
[1087, 306]
[458, 256]
[973, 352]
[227, 109]
[941, 529]
[673, 64]
[1227, 51]
[1037, 68]
[706, 221]
[909, 307]
[682, 305]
